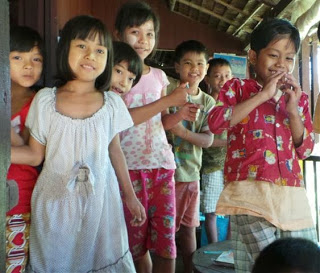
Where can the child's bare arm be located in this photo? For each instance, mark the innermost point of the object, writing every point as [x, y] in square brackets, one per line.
[177, 98]
[120, 166]
[16, 139]
[203, 139]
[31, 154]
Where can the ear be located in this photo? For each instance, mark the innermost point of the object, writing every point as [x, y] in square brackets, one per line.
[177, 67]
[252, 55]
[117, 36]
[206, 79]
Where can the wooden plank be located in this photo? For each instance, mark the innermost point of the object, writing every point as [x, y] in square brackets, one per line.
[305, 67]
[5, 113]
[315, 72]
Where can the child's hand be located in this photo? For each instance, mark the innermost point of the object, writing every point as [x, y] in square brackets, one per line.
[179, 96]
[292, 93]
[137, 210]
[272, 84]
[179, 130]
[189, 111]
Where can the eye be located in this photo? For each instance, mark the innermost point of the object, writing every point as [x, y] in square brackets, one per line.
[118, 71]
[100, 51]
[131, 79]
[150, 34]
[273, 55]
[16, 57]
[201, 64]
[37, 60]
[81, 45]
[291, 59]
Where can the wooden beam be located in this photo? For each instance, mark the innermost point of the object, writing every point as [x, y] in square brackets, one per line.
[207, 11]
[245, 13]
[276, 10]
[172, 4]
[5, 114]
[247, 20]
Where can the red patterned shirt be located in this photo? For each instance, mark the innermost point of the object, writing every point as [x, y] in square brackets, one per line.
[260, 147]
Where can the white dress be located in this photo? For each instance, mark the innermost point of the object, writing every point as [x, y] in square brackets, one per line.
[77, 215]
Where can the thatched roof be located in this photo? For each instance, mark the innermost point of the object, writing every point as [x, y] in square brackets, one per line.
[239, 17]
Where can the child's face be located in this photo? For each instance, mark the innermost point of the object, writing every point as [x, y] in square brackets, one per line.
[121, 79]
[218, 76]
[87, 58]
[141, 38]
[277, 56]
[192, 68]
[25, 67]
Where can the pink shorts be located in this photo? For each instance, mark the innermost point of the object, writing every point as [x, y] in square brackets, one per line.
[187, 204]
[155, 190]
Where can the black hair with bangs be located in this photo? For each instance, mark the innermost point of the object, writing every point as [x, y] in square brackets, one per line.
[190, 46]
[136, 13]
[23, 39]
[83, 27]
[124, 52]
[271, 29]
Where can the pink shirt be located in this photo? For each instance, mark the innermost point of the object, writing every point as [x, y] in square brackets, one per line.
[260, 148]
[145, 146]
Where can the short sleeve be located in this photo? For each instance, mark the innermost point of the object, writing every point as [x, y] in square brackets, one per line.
[38, 119]
[164, 79]
[120, 116]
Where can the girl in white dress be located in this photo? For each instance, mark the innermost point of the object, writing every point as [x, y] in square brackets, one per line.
[77, 215]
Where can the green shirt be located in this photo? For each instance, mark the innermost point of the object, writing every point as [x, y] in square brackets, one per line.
[188, 157]
[213, 158]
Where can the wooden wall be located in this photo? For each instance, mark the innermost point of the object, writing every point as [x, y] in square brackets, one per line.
[174, 28]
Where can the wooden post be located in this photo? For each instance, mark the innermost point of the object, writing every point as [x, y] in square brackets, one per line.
[5, 114]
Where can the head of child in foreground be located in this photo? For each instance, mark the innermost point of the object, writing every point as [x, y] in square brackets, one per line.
[191, 62]
[137, 25]
[85, 53]
[127, 68]
[290, 255]
[219, 72]
[274, 46]
[26, 56]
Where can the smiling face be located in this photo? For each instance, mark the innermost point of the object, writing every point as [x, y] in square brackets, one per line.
[192, 68]
[87, 58]
[122, 79]
[279, 55]
[218, 76]
[25, 67]
[141, 38]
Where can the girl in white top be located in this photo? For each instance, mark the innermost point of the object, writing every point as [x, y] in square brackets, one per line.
[77, 222]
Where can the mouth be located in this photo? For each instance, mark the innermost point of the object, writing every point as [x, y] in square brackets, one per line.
[88, 67]
[117, 90]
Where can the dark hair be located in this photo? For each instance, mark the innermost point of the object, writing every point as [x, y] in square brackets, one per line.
[318, 32]
[217, 62]
[23, 39]
[271, 29]
[124, 52]
[289, 255]
[136, 13]
[83, 27]
[190, 46]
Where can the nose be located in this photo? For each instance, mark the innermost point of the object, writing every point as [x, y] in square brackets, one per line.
[142, 38]
[28, 64]
[124, 82]
[280, 62]
[90, 54]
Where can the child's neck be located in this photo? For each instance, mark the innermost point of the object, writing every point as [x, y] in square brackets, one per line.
[193, 90]
[146, 69]
[18, 91]
[79, 87]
